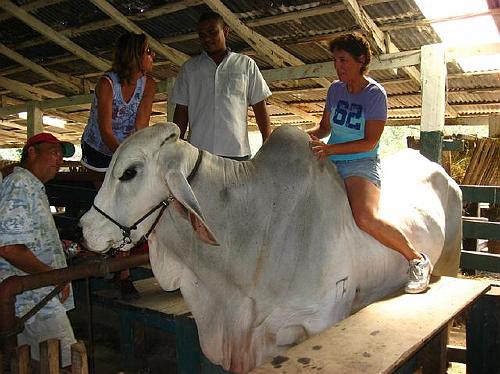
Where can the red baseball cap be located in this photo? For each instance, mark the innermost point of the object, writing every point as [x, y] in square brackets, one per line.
[68, 149]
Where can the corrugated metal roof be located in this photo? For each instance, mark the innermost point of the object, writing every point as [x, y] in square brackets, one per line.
[287, 23]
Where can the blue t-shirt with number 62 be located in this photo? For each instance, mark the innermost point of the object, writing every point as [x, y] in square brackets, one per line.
[349, 113]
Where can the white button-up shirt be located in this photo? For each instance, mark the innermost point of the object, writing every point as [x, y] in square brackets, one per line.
[217, 98]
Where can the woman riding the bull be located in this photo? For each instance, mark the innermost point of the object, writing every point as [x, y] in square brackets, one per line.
[354, 118]
[122, 104]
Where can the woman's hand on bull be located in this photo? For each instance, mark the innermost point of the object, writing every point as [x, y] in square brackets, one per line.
[320, 149]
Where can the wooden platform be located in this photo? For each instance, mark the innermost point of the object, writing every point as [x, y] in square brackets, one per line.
[395, 335]
[153, 298]
[383, 336]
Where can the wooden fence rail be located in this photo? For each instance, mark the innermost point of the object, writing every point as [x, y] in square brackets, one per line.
[475, 228]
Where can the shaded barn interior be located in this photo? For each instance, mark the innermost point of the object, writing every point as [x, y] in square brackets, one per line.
[52, 52]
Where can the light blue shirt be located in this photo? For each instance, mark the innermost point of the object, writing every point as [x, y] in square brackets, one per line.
[122, 117]
[25, 218]
[349, 113]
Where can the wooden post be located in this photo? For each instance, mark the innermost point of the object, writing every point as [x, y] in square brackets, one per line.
[49, 356]
[35, 118]
[21, 363]
[170, 104]
[494, 126]
[433, 75]
[483, 334]
[79, 361]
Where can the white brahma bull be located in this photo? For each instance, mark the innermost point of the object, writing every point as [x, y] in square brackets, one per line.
[266, 252]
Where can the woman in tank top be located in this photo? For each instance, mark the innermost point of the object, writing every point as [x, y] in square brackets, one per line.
[122, 104]
[122, 101]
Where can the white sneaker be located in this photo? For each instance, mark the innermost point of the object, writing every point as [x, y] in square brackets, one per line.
[419, 275]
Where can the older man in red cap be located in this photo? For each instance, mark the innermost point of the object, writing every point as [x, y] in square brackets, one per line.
[30, 244]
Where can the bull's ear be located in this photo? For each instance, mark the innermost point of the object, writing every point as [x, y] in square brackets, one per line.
[182, 192]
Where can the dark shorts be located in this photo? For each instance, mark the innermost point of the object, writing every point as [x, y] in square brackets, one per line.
[368, 168]
[94, 160]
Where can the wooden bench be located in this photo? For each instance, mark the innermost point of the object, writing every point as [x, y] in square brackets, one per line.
[161, 310]
[396, 335]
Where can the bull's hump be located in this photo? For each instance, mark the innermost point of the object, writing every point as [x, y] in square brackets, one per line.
[286, 142]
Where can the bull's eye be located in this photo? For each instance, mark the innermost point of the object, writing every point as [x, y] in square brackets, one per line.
[128, 174]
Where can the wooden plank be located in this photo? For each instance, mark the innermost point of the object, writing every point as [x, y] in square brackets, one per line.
[480, 194]
[79, 360]
[21, 90]
[21, 363]
[325, 69]
[480, 261]
[277, 56]
[480, 230]
[53, 35]
[494, 126]
[49, 357]
[172, 54]
[382, 336]
[153, 298]
[453, 145]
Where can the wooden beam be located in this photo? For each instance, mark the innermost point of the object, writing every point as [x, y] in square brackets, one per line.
[180, 5]
[290, 108]
[40, 92]
[33, 5]
[478, 49]
[13, 134]
[378, 41]
[325, 69]
[276, 55]
[53, 35]
[361, 18]
[20, 59]
[34, 121]
[172, 54]
[494, 125]
[20, 90]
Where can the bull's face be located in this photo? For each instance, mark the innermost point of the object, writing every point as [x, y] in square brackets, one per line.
[148, 168]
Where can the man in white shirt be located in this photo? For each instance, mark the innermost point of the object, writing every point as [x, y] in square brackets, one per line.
[213, 91]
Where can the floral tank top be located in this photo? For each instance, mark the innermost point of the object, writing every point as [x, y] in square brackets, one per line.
[123, 115]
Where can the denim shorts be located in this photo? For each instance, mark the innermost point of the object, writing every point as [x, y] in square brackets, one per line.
[368, 168]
